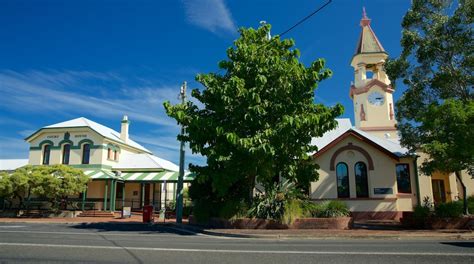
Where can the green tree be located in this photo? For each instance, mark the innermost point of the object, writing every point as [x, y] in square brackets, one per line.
[54, 182]
[6, 188]
[254, 121]
[436, 112]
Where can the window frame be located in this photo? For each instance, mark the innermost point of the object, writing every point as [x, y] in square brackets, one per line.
[84, 161]
[109, 153]
[63, 160]
[339, 195]
[46, 158]
[358, 182]
[407, 165]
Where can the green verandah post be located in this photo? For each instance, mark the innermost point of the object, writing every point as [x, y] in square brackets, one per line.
[154, 187]
[105, 195]
[123, 195]
[112, 195]
[84, 195]
[142, 202]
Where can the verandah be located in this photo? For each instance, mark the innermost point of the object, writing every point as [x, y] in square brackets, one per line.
[109, 191]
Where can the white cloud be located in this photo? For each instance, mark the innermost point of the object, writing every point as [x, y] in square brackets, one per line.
[44, 93]
[212, 15]
[13, 148]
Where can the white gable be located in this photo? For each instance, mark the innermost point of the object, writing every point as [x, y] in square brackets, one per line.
[101, 129]
[344, 124]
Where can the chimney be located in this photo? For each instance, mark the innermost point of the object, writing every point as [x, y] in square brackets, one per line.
[124, 129]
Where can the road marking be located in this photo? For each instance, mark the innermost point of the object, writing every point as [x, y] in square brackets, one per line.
[12, 226]
[98, 233]
[460, 254]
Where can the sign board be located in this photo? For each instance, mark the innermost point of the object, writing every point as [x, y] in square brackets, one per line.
[126, 212]
[383, 191]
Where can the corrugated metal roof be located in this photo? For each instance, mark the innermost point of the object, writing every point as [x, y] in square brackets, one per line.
[144, 161]
[344, 125]
[156, 176]
[101, 129]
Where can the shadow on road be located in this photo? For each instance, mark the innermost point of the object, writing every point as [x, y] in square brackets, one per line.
[460, 244]
[134, 227]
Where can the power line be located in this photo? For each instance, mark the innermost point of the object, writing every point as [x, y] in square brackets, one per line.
[298, 23]
[306, 18]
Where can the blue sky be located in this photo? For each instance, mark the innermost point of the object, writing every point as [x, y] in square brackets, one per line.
[102, 59]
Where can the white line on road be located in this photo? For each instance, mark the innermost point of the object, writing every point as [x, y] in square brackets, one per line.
[461, 254]
[96, 233]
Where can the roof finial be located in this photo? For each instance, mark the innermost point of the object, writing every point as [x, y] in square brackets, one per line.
[365, 21]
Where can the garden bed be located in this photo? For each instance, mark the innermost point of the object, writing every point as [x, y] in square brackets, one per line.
[439, 223]
[255, 223]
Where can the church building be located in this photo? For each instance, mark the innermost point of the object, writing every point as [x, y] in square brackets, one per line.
[364, 164]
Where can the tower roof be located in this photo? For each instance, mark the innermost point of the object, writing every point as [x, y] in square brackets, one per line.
[368, 42]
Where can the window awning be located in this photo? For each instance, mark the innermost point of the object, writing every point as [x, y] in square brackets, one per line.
[168, 176]
[100, 174]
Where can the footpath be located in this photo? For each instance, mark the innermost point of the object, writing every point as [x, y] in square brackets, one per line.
[359, 232]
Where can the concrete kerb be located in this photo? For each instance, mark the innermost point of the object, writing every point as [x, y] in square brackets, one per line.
[233, 233]
[278, 234]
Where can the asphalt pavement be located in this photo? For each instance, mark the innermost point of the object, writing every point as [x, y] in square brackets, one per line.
[129, 243]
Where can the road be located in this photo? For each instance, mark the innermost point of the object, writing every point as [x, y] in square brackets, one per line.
[120, 243]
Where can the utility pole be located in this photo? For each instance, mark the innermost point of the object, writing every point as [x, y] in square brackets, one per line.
[179, 191]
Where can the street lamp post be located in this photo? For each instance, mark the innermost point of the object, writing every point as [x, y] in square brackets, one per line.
[179, 191]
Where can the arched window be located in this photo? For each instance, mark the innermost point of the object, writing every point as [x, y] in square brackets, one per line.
[109, 153]
[46, 154]
[361, 179]
[66, 153]
[86, 153]
[116, 155]
[342, 174]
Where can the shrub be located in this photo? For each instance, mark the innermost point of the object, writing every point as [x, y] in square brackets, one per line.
[329, 209]
[449, 210]
[470, 204]
[271, 205]
[421, 212]
[292, 211]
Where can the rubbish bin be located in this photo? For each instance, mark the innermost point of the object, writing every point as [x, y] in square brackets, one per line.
[147, 213]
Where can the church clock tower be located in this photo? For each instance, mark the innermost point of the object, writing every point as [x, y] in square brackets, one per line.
[371, 91]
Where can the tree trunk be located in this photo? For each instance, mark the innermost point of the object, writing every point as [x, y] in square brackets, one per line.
[251, 187]
[464, 190]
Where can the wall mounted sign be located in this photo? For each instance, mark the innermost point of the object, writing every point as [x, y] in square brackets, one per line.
[383, 191]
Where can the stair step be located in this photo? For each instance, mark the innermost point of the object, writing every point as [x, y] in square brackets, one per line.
[96, 214]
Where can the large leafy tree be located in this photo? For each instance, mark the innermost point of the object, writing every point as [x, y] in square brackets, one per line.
[254, 120]
[52, 182]
[436, 112]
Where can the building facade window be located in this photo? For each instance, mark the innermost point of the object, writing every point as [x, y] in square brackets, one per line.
[66, 153]
[116, 155]
[46, 154]
[86, 153]
[109, 153]
[342, 174]
[361, 179]
[403, 178]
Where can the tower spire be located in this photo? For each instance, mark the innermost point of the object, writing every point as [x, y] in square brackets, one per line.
[365, 21]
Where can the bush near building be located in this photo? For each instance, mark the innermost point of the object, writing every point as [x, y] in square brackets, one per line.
[53, 183]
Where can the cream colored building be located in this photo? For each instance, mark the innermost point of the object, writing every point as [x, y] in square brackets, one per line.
[365, 165]
[122, 172]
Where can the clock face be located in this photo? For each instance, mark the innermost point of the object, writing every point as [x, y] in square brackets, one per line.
[376, 98]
